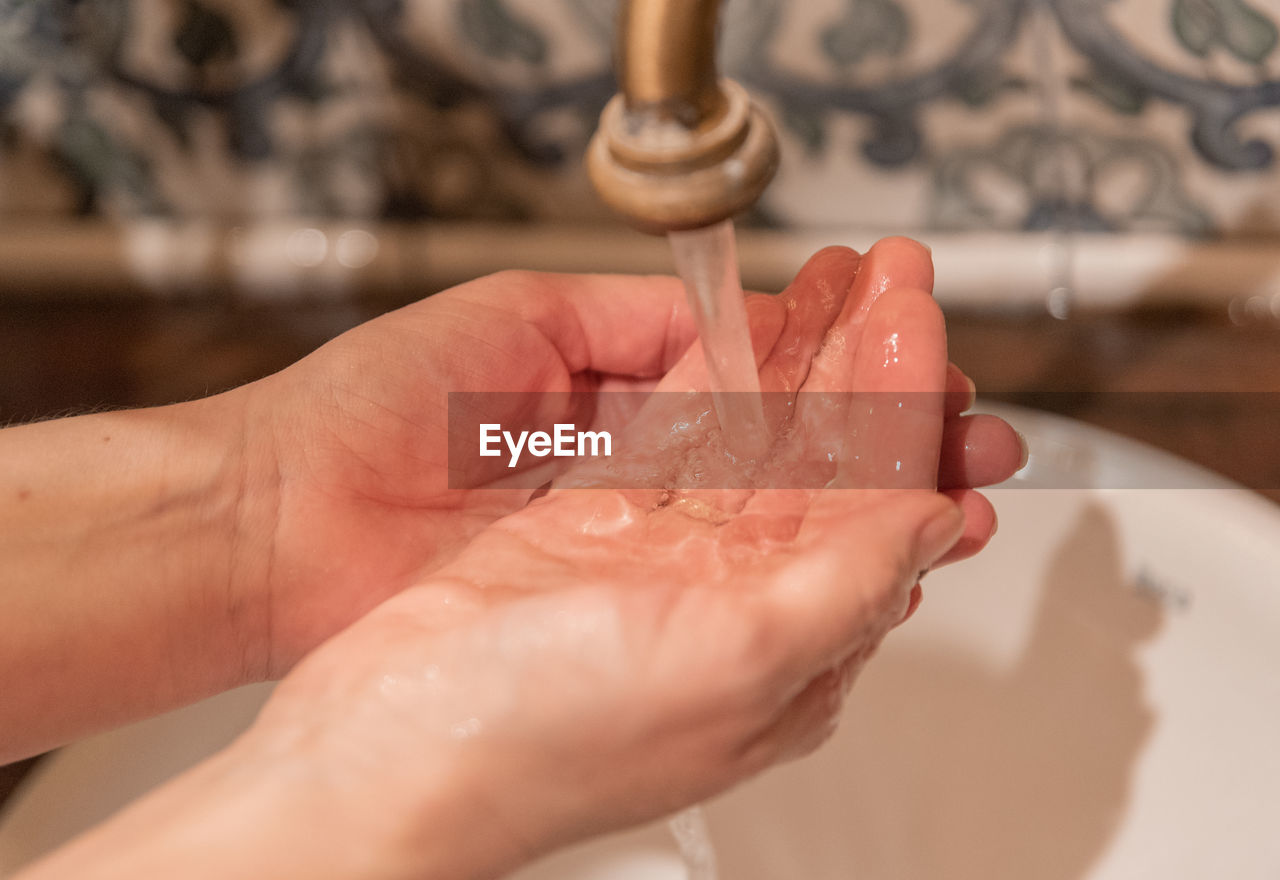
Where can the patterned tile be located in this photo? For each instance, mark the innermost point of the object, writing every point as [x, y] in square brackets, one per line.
[1110, 115]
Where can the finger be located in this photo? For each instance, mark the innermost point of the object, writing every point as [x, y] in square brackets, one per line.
[980, 525]
[893, 433]
[896, 261]
[848, 581]
[892, 263]
[786, 329]
[978, 450]
[624, 324]
[961, 392]
[812, 301]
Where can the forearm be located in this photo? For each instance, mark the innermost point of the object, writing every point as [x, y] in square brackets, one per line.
[123, 590]
[267, 807]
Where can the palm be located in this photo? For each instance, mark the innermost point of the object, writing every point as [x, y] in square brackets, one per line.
[602, 676]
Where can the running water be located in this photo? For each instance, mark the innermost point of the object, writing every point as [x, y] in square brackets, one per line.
[689, 828]
[707, 260]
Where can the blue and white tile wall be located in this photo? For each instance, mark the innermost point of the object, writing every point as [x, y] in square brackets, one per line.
[1109, 115]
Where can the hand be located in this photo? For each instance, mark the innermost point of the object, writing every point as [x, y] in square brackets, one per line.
[592, 660]
[157, 556]
[603, 657]
[469, 724]
[350, 444]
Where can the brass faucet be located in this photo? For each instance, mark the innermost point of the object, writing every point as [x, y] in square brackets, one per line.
[678, 148]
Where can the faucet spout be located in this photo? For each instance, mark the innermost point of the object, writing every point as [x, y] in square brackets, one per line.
[679, 148]
[666, 60]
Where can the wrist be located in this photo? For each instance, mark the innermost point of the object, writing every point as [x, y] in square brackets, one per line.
[206, 490]
[283, 805]
[121, 588]
[247, 811]
[247, 498]
[435, 820]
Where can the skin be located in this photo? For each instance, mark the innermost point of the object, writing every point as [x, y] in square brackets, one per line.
[458, 639]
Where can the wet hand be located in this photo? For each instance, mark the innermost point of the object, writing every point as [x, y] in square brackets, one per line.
[349, 448]
[586, 664]
[602, 657]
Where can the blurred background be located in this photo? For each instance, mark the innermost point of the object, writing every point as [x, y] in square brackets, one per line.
[194, 193]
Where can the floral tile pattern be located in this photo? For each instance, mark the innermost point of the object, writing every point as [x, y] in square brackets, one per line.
[1108, 115]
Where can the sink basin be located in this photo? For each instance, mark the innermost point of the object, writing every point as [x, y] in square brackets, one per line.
[1094, 697]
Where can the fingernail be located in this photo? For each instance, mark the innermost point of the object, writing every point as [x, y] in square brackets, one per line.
[939, 535]
[973, 394]
[1026, 451]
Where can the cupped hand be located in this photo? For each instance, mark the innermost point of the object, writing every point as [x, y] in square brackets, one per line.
[587, 664]
[350, 461]
[355, 454]
[601, 657]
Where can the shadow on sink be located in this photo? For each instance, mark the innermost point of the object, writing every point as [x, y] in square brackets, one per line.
[949, 769]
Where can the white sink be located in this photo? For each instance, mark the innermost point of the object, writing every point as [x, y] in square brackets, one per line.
[1096, 696]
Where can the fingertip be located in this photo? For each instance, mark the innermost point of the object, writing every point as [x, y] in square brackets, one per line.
[905, 244]
[978, 450]
[898, 261]
[813, 301]
[903, 302]
[980, 525]
[833, 267]
[962, 392]
[942, 527]
[834, 257]
[912, 310]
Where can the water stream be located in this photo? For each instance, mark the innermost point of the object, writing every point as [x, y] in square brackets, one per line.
[689, 828]
[707, 260]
